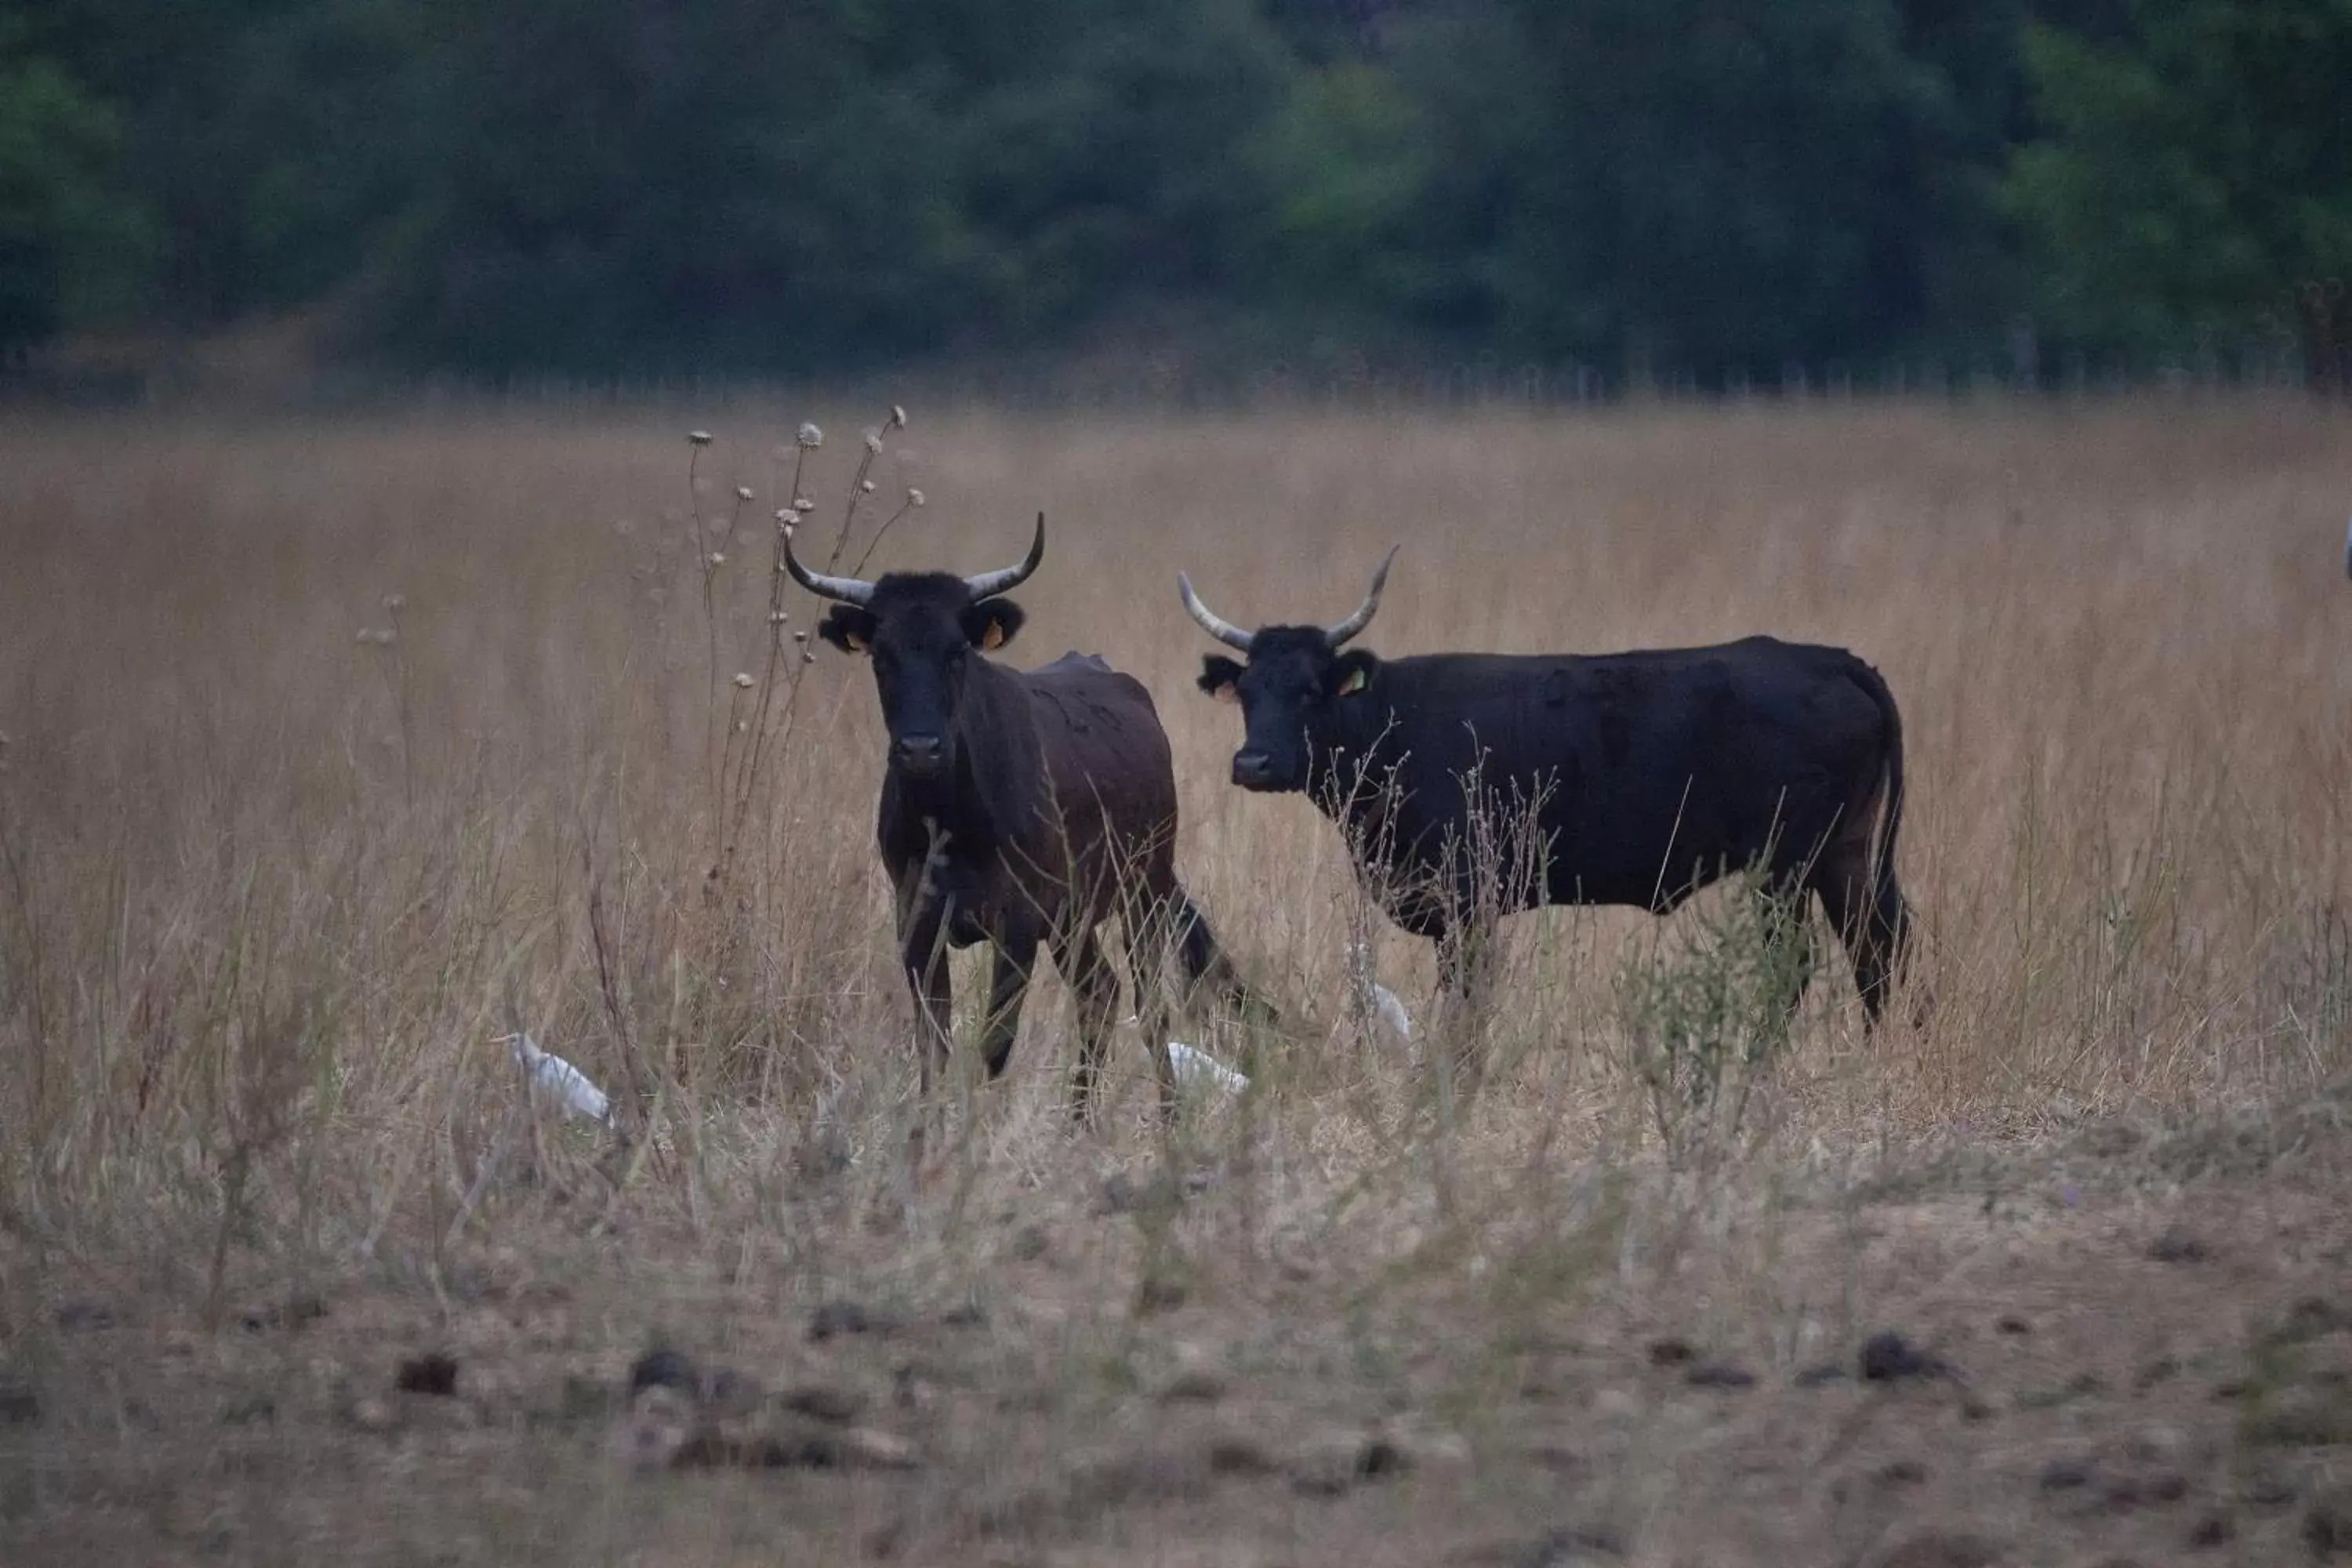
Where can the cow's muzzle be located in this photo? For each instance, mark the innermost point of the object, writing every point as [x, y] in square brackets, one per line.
[1255, 769]
[918, 756]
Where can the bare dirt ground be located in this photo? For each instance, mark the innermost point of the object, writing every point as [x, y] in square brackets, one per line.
[2133, 1345]
[2057, 1276]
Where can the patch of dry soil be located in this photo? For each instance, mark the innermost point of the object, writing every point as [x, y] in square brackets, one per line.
[2128, 1350]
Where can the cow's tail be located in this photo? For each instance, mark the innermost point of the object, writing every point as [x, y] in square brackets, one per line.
[1206, 964]
[1893, 916]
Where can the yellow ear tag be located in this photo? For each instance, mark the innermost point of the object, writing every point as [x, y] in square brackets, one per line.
[994, 637]
[1356, 681]
[856, 644]
[1228, 693]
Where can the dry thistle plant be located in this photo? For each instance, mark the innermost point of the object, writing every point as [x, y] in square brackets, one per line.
[772, 696]
[688, 985]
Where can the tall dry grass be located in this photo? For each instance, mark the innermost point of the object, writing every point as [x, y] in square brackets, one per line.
[266, 889]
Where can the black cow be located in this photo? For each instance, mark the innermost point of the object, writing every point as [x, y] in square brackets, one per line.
[1635, 778]
[1018, 808]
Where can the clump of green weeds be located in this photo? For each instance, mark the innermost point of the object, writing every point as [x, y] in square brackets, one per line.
[1704, 1011]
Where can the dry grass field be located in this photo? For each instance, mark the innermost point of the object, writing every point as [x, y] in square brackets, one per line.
[290, 1271]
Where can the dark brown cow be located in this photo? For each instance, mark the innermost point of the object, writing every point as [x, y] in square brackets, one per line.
[1019, 808]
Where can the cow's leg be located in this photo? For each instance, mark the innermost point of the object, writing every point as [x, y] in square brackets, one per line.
[1870, 918]
[1465, 965]
[1205, 966]
[1153, 935]
[923, 953]
[1094, 985]
[1016, 954]
[1890, 927]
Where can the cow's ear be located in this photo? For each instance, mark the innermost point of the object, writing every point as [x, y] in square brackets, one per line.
[849, 628]
[1351, 672]
[992, 623]
[1220, 677]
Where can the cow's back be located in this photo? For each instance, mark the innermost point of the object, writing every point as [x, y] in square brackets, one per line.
[1644, 761]
[1718, 756]
[1104, 748]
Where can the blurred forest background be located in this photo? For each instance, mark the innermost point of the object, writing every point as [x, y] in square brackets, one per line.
[1693, 189]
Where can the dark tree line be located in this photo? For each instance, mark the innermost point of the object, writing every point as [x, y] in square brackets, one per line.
[801, 185]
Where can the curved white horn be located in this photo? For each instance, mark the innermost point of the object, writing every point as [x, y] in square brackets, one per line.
[1363, 616]
[847, 589]
[990, 583]
[1217, 625]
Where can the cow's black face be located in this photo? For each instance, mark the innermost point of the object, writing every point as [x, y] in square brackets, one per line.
[1297, 696]
[922, 634]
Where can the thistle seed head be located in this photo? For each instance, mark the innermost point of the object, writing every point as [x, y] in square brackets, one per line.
[809, 435]
[719, 558]
[742, 681]
[865, 485]
[914, 497]
[744, 492]
[394, 602]
[898, 416]
[700, 437]
[873, 441]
